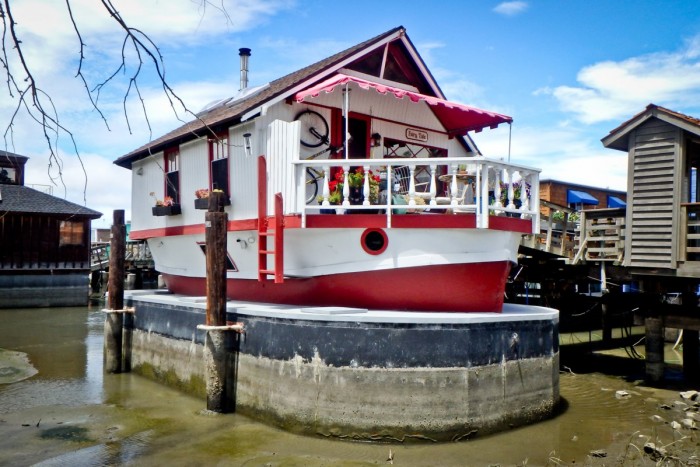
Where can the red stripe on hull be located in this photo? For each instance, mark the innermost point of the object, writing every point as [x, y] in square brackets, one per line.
[474, 287]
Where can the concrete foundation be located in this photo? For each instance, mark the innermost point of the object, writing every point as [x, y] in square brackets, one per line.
[44, 289]
[358, 374]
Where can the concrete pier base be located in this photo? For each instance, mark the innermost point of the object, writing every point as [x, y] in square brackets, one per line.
[358, 374]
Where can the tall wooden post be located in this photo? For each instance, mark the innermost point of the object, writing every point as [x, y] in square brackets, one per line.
[215, 237]
[215, 355]
[113, 330]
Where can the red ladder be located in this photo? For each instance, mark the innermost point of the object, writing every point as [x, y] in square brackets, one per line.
[264, 232]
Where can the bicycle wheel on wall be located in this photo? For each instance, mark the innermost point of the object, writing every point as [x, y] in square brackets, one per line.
[314, 128]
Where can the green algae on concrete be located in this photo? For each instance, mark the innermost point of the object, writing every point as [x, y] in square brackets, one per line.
[15, 366]
[194, 386]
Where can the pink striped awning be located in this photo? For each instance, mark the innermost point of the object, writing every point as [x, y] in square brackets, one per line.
[458, 119]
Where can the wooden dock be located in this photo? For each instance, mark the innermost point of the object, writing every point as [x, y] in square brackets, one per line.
[139, 267]
[583, 271]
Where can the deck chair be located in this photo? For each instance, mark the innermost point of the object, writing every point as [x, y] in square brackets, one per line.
[465, 197]
[402, 180]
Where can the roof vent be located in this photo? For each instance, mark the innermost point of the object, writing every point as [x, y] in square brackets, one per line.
[244, 53]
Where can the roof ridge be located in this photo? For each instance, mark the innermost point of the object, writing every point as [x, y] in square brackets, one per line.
[228, 111]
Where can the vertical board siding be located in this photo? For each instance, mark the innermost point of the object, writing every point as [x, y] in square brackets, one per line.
[282, 148]
[243, 173]
[654, 160]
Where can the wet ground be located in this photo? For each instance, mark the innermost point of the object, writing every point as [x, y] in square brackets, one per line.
[70, 413]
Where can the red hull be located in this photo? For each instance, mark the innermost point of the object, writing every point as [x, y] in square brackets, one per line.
[474, 287]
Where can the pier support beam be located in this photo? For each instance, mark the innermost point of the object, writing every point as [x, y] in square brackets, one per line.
[654, 349]
[114, 321]
[691, 361]
[215, 353]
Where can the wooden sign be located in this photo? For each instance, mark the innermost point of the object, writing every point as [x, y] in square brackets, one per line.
[416, 135]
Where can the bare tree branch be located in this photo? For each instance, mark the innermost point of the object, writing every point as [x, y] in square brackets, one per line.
[32, 100]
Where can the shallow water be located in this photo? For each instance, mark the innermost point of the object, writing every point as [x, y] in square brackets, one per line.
[70, 413]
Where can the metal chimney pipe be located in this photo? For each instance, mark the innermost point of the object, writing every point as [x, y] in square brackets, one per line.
[244, 53]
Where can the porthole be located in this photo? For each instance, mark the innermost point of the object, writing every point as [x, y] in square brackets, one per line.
[374, 241]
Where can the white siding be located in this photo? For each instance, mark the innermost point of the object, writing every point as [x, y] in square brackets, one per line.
[282, 149]
[244, 173]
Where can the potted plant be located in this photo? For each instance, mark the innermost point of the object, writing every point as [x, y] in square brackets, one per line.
[356, 181]
[201, 200]
[165, 207]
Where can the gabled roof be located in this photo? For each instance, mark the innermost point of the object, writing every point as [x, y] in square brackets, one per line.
[230, 112]
[619, 137]
[22, 199]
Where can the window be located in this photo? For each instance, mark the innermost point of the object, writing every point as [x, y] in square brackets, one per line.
[218, 158]
[71, 233]
[172, 174]
[8, 175]
[230, 265]
[401, 149]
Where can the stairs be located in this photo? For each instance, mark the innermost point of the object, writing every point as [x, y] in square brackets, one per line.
[270, 232]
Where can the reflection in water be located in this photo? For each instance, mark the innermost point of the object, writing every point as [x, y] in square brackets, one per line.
[126, 419]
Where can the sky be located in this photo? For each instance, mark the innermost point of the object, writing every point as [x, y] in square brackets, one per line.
[568, 72]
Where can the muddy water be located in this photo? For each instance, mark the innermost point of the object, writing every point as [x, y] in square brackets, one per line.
[69, 413]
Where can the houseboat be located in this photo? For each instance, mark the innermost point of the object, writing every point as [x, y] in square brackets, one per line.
[368, 243]
[352, 182]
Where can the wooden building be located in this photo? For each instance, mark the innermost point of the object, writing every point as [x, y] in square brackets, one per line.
[578, 197]
[662, 214]
[44, 243]
[662, 225]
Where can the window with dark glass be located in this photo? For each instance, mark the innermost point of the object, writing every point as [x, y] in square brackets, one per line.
[218, 157]
[172, 174]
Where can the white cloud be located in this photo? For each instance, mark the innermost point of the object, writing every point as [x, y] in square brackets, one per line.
[563, 154]
[510, 8]
[105, 187]
[616, 90]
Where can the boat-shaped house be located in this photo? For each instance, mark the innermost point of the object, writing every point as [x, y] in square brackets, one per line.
[351, 182]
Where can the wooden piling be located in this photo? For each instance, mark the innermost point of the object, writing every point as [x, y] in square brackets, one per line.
[114, 320]
[654, 349]
[215, 221]
[691, 361]
[215, 354]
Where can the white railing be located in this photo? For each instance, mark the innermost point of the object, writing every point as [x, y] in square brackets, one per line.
[476, 185]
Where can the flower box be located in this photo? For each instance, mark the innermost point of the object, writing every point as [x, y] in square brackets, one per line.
[172, 210]
[203, 203]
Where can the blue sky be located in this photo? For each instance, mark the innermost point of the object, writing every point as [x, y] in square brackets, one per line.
[568, 72]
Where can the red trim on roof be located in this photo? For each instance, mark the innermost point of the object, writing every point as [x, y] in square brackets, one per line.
[456, 118]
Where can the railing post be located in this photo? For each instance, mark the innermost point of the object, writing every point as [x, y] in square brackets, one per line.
[365, 185]
[454, 186]
[346, 185]
[433, 184]
[412, 185]
[483, 221]
[511, 190]
[326, 186]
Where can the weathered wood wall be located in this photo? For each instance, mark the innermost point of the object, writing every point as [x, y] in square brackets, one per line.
[654, 187]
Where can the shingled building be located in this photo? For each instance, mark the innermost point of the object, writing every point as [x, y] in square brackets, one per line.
[44, 243]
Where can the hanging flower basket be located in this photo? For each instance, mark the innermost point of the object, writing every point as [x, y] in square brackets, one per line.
[203, 203]
[172, 210]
